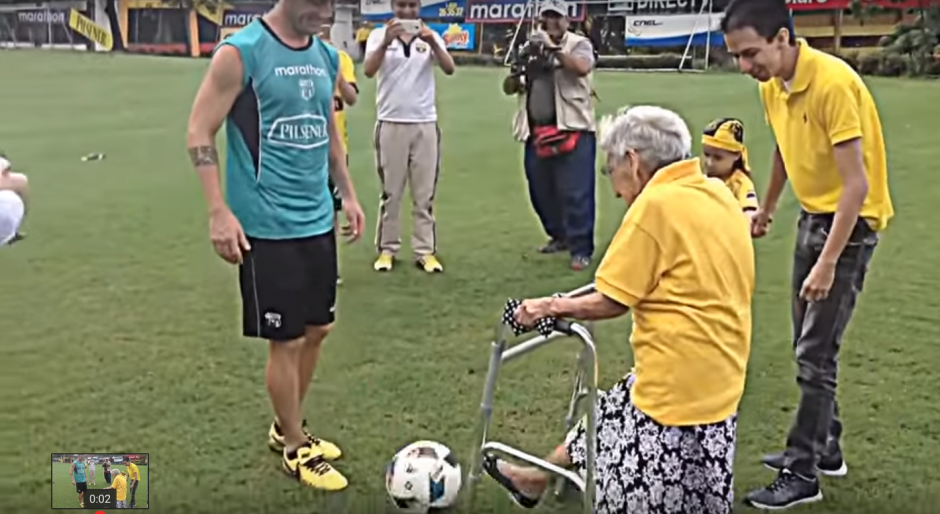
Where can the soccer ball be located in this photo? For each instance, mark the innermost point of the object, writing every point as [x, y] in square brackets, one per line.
[423, 477]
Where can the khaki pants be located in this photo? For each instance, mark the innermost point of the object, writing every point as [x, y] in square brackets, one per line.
[407, 154]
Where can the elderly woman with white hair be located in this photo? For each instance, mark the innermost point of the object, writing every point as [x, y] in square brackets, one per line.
[682, 263]
[119, 484]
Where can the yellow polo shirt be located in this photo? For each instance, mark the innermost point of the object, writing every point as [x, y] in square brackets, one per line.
[362, 34]
[132, 471]
[825, 104]
[742, 187]
[347, 69]
[683, 262]
[119, 484]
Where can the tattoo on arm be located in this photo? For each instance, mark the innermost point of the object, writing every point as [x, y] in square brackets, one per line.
[204, 156]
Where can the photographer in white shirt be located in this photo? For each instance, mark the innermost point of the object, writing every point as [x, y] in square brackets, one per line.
[13, 192]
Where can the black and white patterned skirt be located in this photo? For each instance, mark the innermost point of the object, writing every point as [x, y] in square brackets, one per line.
[643, 467]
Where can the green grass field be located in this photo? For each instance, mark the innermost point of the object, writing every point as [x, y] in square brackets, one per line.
[64, 495]
[120, 326]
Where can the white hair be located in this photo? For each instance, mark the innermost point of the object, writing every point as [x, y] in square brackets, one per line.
[659, 136]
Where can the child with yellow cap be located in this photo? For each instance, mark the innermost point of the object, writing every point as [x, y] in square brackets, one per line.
[725, 158]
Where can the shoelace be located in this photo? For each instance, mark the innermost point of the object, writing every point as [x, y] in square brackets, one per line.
[318, 465]
[782, 480]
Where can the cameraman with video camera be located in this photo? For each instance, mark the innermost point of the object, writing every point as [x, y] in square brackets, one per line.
[551, 73]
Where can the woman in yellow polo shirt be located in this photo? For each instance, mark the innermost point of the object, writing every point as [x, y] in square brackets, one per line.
[119, 484]
[682, 262]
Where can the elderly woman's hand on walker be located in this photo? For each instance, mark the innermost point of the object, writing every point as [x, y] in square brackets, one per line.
[532, 310]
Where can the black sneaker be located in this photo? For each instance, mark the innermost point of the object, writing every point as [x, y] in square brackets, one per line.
[553, 246]
[787, 490]
[829, 465]
[491, 467]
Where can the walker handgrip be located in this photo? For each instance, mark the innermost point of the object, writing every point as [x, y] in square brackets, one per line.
[564, 326]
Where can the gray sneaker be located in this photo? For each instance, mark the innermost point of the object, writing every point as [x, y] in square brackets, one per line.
[787, 490]
[829, 465]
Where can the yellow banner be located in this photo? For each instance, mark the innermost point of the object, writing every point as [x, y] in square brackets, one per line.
[152, 4]
[88, 28]
[209, 10]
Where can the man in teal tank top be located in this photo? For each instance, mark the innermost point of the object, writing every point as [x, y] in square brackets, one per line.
[77, 471]
[272, 84]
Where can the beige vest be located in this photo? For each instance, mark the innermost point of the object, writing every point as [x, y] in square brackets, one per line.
[574, 103]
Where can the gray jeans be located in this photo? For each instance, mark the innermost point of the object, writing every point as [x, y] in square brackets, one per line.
[817, 336]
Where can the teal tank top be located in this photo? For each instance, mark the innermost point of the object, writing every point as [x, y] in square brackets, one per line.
[278, 142]
[79, 472]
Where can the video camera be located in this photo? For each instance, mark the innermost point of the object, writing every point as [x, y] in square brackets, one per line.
[532, 57]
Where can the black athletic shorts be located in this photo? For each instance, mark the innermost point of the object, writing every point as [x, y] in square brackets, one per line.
[81, 487]
[288, 285]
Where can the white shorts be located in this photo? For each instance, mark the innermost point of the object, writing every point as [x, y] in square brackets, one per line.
[11, 215]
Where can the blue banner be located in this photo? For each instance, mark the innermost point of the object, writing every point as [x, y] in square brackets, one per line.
[381, 10]
[456, 36]
[502, 11]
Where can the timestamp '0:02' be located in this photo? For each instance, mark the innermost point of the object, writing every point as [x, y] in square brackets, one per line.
[98, 499]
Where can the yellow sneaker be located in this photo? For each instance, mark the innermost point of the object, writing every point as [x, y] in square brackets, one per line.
[275, 438]
[329, 450]
[276, 442]
[384, 262]
[309, 467]
[430, 264]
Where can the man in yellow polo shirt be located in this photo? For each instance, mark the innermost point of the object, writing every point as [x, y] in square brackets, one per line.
[362, 37]
[831, 149]
[346, 94]
[133, 480]
[683, 263]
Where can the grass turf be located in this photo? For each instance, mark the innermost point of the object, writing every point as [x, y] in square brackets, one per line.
[65, 497]
[120, 327]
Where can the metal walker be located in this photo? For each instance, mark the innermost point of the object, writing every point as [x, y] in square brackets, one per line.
[585, 388]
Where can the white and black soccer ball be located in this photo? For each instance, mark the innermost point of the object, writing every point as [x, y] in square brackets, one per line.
[423, 477]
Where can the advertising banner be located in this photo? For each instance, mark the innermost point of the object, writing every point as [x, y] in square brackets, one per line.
[91, 30]
[42, 16]
[502, 11]
[40, 26]
[456, 36]
[381, 10]
[211, 11]
[674, 30]
[644, 7]
[238, 18]
[830, 5]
